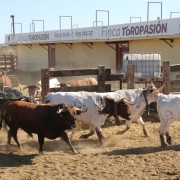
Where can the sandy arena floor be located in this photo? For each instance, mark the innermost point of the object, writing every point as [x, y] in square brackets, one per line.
[128, 156]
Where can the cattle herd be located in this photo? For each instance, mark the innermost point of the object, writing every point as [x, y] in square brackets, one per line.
[62, 111]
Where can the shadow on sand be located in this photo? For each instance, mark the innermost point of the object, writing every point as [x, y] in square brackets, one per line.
[142, 150]
[32, 146]
[15, 160]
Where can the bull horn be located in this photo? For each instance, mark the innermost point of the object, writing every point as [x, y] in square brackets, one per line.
[128, 102]
[61, 107]
[81, 110]
[38, 88]
[59, 111]
[23, 88]
[161, 88]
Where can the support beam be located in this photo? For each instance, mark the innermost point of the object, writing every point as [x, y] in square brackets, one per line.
[110, 45]
[45, 46]
[28, 45]
[69, 45]
[120, 48]
[166, 41]
[88, 44]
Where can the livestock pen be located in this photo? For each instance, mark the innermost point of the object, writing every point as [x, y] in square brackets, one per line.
[8, 62]
[104, 78]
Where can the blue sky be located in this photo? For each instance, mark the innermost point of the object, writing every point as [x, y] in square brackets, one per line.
[83, 13]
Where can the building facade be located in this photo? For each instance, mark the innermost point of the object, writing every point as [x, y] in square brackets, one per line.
[103, 45]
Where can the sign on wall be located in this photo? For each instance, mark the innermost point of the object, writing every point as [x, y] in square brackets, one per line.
[122, 31]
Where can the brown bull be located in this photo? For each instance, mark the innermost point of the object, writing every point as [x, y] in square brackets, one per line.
[45, 120]
[82, 82]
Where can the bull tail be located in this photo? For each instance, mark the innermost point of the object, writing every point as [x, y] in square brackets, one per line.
[2, 114]
[22, 89]
[38, 88]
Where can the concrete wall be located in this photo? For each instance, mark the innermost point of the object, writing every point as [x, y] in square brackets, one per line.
[32, 59]
[151, 46]
[81, 56]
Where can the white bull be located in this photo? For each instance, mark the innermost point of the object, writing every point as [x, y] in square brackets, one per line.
[168, 107]
[92, 118]
[129, 95]
[98, 108]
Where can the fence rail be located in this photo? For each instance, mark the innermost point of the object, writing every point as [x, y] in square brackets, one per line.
[103, 75]
[8, 62]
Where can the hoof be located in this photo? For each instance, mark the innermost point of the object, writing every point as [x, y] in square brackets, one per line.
[169, 142]
[168, 139]
[99, 145]
[118, 123]
[83, 137]
[101, 142]
[164, 145]
[120, 133]
[41, 152]
[146, 135]
[8, 146]
[75, 152]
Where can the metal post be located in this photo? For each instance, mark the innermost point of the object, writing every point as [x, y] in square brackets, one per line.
[64, 17]
[172, 13]
[96, 23]
[75, 26]
[148, 9]
[33, 24]
[12, 24]
[18, 24]
[136, 18]
[102, 11]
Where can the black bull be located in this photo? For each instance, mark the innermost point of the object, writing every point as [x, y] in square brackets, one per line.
[45, 120]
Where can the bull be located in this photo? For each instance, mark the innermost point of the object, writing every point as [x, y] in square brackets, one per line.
[82, 82]
[45, 120]
[80, 99]
[98, 108]
[168, 111]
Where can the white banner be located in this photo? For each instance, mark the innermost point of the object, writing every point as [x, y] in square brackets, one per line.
[131, 30]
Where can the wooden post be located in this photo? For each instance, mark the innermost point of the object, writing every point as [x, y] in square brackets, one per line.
[44, 82]
[120, 84]
[101, 78]
[12, 59]
[16, 61]
[166, 77]
[130, 76]
[5, 63]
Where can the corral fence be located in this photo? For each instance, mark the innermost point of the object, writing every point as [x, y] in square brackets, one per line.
[163, 79]
[175, 78]
[8, 62]
[104, 78]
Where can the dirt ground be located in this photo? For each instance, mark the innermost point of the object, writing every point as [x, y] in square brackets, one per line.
[127, 156]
